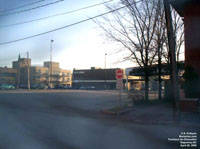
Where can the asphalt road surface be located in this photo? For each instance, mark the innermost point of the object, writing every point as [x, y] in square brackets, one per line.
[72, 119]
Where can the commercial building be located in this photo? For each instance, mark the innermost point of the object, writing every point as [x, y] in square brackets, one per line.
[22, 66]
[39, 75]
[57, 76]
[94, 78]
[138, 82]
[22, 74]
[8, 75]
[66, 78]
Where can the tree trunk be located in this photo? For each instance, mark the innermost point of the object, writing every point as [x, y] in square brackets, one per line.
[159, 76]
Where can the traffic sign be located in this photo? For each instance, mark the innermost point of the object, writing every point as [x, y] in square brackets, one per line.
[119, 73]
[119, 76]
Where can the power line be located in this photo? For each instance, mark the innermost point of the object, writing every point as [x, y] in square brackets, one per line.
[64, 13]
[79, 22]
[22, 6]
[17, 12]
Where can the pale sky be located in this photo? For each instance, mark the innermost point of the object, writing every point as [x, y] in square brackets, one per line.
[81, 46]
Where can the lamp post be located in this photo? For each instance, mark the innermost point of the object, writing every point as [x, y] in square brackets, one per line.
[105, 72]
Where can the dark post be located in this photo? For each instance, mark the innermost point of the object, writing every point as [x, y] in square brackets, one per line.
[173, 66]
[28, 72]
[50, 78]
[18, 72]
[105, 85]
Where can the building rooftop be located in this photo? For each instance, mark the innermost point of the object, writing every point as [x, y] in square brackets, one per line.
[7, 70]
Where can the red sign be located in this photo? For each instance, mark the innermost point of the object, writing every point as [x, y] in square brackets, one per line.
[119, 74]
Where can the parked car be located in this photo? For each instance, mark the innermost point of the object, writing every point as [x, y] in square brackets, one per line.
[7, 86]
[51, 86]
[39, 86]
[23, 86]
[59, 87]
[91, 88]
[42, 86]
[67, 87]
[34, 86]
[83, 88]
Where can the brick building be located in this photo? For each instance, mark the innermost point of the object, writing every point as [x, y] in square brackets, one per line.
[94, 78]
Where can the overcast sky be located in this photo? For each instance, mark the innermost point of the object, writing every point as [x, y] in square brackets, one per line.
[81, 46]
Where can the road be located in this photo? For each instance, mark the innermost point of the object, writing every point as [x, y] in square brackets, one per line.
[72, 119]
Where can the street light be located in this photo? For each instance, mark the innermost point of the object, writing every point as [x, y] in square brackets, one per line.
[51, 50]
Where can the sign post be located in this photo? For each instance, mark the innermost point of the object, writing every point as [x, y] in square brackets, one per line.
[119, 85]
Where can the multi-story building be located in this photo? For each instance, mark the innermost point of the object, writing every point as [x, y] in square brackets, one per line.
[66, 78]
[21, 63]
[49, 74]
[58, 76]
[8, 75]
[22, 66]
[39, 75]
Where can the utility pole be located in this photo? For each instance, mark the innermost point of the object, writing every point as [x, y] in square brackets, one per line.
[173, 65]
[28, 72]
[50, 79]
[18, 72]
[105, 86]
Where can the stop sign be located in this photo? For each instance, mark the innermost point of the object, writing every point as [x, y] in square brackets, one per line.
[119, 74]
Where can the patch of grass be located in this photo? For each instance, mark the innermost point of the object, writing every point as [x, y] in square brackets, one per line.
[118, 109]
[151, 102]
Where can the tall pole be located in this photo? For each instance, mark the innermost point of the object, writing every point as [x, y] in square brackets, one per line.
[18, 72]
[105, 71]
[173, 66]
[50, 80]
[28, 72]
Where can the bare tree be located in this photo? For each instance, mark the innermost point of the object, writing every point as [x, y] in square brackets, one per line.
[134, 29]
[178, 27]
[140, 29]
[160, 39]
[162, 42]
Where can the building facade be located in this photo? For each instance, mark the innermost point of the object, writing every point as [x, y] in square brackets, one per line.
[22, 74]
[39, 75]
[66, 78]
[8, 75]
[57, 76]
[22, 66]
[94, 78]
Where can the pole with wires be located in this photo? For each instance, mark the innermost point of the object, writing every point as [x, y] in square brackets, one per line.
[105, 85]
[28, 71]
[173, 65]
[50, 80]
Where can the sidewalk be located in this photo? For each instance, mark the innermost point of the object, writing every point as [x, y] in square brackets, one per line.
[158, 114]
